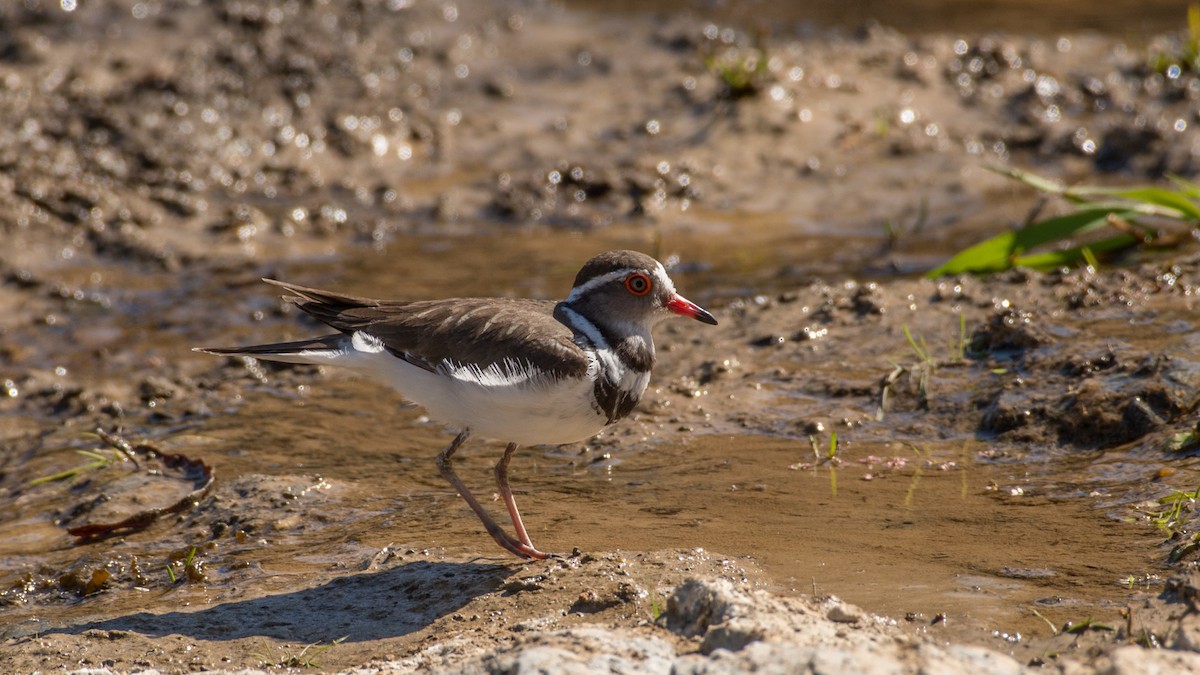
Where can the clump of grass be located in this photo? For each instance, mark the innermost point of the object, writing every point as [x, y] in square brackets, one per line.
[1170, 520]
[1080, 627]
[185, 566]
[823, 457]
[830, 457]
[1075, 627]
[100, 460]
[742, 70]
[1184, 548]
[1184, 440]
[831, 454]
[305, 658]
[1114, 219]
[919, 347]
[121, 450]
[924, 368]
[1184, 57]
[656, 608]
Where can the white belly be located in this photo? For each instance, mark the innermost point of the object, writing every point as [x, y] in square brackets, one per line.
[532, 411]
[526, 413]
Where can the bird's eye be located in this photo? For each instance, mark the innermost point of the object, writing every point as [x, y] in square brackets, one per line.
[638, 284]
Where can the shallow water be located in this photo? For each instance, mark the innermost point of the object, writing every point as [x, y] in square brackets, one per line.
[930, 532]
[317, 466]
[937, 532]
[929, 513]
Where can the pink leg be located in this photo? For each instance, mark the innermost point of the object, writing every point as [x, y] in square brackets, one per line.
[511, 503]
[518, 548]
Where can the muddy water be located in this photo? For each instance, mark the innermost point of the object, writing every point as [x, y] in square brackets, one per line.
[923, 527]
[903, 530]
[150, 189]
[317, 470]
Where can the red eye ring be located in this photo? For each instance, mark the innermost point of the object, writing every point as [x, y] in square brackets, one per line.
[638, 284]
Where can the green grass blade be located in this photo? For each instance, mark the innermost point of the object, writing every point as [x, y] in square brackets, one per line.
[1131, 209]
[1031, 179]
[1055, 259]
[71, 473]
[921, 353]
[1189, 209]
[1095, 207]
[962, 337]
[60, 476]
[1187, 187]
[989, 255]
[1176, 202]
[999, 252]
[1057, 229]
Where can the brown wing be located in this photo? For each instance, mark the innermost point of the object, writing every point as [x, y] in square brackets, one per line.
[468, 331]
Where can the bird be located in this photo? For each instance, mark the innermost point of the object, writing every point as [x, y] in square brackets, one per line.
[517, 370]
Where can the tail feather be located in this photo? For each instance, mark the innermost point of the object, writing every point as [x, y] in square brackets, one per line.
[301, 294]
[347, 313]
[316, 350]
[325, 306]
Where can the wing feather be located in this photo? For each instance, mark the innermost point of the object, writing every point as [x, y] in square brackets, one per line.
[480, 333]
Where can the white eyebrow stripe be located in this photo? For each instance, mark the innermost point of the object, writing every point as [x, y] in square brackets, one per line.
[597, 281]
[664, 278]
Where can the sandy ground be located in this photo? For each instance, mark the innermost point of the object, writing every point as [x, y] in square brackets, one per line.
[993, 500]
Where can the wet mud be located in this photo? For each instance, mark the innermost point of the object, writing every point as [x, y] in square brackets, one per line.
[1013, 455]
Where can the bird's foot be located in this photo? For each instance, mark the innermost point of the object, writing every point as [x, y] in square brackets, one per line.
[519, 548]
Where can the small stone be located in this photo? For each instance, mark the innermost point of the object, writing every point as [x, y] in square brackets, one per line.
[1133, 660]
[844, 613]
